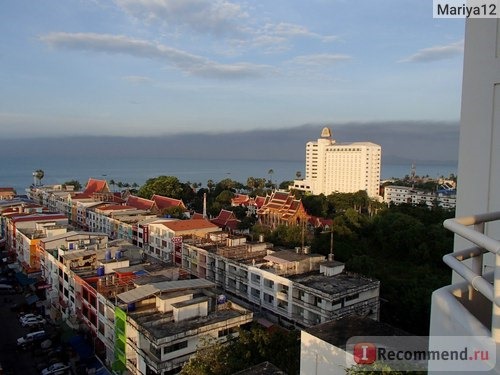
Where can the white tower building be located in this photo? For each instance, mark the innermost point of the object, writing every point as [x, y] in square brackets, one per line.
[340, 167]
[470, 305]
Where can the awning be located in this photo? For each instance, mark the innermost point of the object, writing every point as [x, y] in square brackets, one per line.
[24, 280]
[83, 349]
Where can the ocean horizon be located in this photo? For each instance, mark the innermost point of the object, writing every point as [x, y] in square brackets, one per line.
[17, 172]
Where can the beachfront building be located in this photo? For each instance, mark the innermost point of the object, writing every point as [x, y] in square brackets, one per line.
[291, 287]
[340, 167]
[404, 194]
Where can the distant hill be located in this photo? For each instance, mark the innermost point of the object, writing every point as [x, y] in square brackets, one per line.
[404, 141]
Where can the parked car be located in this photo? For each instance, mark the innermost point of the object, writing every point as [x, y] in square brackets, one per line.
[58, 368]
[25, 317]
[7, 289]
[30, 338]
[31, 322]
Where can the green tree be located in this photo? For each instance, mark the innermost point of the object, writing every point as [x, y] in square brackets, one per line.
[211, 358]
[76, 185]
[167, 186]
[224, 198]
[175, 212]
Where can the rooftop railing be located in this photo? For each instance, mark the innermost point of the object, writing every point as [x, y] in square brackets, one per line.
[472, 228]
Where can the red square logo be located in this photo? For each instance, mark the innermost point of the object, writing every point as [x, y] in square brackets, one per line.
[365, 353]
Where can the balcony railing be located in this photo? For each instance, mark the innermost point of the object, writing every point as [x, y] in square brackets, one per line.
[472, 228]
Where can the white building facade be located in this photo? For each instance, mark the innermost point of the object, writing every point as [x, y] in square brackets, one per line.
[470, 305]
[341, 167]
[404, 194]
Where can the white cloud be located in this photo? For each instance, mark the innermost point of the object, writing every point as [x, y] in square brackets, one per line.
[436, 53]
[294, 31]
[322, 59]
[216, 17]
[136, 79]
[119, 44]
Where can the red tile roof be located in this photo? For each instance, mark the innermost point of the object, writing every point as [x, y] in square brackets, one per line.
[197, 215]
[96, 186]
[259, 201]
[226, 219]
[165, 202]
[187, 225]
[6, 189]
[240, 199]
[38, 217]
[140, 203]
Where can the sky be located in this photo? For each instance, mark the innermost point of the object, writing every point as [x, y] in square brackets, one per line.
[163, 67]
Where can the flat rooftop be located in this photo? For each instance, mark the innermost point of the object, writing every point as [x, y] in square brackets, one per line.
[161, 325]
[336, 284]
[337, 332]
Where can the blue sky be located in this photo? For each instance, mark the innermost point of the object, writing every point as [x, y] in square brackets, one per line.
[151, 67]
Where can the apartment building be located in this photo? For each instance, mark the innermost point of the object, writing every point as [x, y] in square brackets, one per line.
[160, 325]
[403, 194]
[340, 167]
[293, 288]
[165, 236]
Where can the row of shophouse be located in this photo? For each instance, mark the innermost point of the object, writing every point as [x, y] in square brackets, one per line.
[148, 287]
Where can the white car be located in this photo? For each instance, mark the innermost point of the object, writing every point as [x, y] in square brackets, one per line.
[58, 368]
[25, 317]
[30, 322]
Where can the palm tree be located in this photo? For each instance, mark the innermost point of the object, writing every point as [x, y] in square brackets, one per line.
[38, 176]
[112, 183]
[210, 185]
[270, 173]
[298, 174]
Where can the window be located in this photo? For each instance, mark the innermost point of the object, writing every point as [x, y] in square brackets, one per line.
[351, 297]
[225, 332]
[175, 347]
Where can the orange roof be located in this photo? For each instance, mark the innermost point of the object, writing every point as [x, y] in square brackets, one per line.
[96, 186]
[240, 199]
[197, 215]
[6, 189]
[165, 202]
[140, 203]
[187, 225]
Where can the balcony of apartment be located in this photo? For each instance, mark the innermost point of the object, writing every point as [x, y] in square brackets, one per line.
[470, 307]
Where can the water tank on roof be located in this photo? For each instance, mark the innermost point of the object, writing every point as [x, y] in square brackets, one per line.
[221, 299]
[100, 271]
[131, 307]
[118, 255]
[107, 255]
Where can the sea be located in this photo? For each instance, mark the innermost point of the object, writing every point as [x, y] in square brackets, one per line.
[17, 171]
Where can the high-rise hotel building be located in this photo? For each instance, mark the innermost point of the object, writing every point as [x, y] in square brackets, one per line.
[341, 167]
